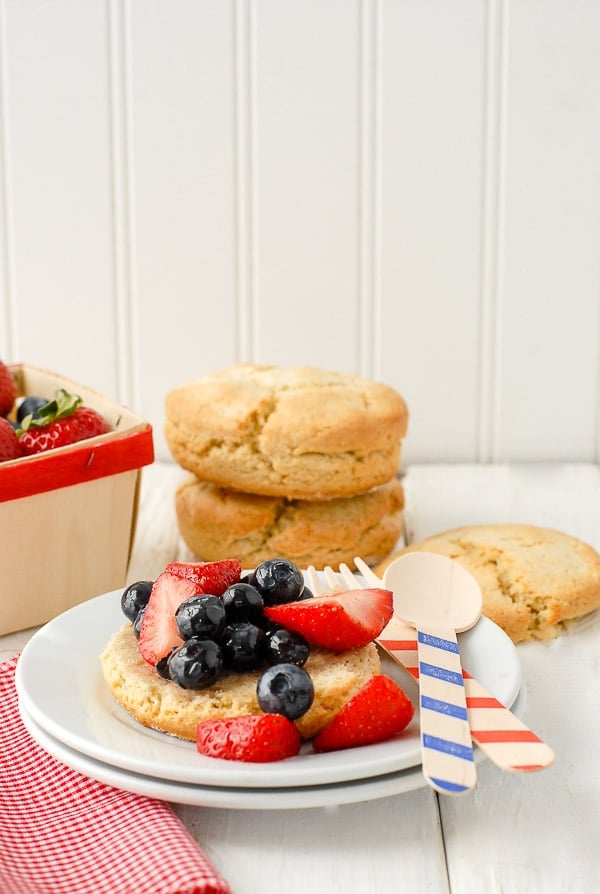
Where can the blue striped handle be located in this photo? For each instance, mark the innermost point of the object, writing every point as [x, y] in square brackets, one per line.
[447, 750]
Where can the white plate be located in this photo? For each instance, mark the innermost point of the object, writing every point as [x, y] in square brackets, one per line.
[289, 798]
[227, 797]
[60, 684]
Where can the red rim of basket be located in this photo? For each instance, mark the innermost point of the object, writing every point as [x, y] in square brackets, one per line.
[44, 472]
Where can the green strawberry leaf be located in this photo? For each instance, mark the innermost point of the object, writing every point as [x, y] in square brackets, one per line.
[62, 406]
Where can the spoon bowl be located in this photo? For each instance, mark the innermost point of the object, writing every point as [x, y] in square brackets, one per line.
[431, 590]
[440, 598]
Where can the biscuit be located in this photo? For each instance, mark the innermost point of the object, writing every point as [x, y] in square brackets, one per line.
[533, 580]
[217, 523]
[163, 705]
[303, 433]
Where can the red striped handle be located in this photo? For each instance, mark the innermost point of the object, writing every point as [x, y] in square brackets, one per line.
[505, 739]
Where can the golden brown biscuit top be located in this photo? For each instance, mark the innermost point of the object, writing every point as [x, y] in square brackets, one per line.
[334, 407]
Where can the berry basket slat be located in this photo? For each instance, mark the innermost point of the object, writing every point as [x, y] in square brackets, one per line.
[67, 516]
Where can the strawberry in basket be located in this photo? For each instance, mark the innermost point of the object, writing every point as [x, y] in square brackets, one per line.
[58, 423]
[8, 390]
[9, 443]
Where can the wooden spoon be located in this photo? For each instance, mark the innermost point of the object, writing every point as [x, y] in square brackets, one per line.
[502, 736]
[440, 598]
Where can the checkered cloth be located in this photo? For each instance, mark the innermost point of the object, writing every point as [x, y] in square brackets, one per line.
[62, 833]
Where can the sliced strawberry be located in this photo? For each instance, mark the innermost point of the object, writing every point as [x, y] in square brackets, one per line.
[158, 630]
[344, 621]
[209, 577]
[377, 712]
[255, 737]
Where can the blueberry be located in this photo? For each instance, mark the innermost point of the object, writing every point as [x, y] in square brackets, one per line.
[285, 689]
[30, 405]
[242, 646]
[196, 664]
[278, 581]
[243, 603]
[285, 647]
[269, 626]
[162, 666]
[306, 594]
[137, 623]
[135, 597]
[202, 616]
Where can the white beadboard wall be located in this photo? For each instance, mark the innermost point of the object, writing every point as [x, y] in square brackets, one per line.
[408, 189]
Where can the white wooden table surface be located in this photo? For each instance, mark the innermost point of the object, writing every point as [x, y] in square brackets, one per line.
[514, 833]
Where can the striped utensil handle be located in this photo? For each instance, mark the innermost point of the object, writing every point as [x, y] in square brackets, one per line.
[500, 735]
[446, 748]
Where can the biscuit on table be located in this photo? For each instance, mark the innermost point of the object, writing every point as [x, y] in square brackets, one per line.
[217, 523]
[163, 705]
[534, 580]
[300, 433]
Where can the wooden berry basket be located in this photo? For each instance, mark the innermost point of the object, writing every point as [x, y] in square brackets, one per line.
[67, 516]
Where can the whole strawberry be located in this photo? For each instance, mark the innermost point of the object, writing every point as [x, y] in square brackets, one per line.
[9, 443]
[59, 423]
[8, 390]
[258, 738]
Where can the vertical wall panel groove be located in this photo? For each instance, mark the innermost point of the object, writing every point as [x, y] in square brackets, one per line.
[126, 356]
[377, 192]
[550, 265]
[369, 190]
[308, 167]
[493, 187]
[432, 221]
[245, 178]
[182, 110]
[368, 210]
[8, 332]
[596, 456]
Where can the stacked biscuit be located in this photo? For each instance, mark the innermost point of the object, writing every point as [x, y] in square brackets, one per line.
[296, 463]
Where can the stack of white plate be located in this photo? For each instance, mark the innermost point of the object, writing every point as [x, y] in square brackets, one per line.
[68, 710]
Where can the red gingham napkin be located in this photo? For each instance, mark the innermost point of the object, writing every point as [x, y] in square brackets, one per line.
[62, 833]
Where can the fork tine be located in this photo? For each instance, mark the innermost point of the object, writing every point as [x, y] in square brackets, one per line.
[313, 580]
[349, 577]
[331, 576]
[368, 574]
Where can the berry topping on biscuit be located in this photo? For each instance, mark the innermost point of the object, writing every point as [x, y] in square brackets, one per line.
[209, 577]
[256, 737]
[344, 621]
[376, 713]
[158, 631]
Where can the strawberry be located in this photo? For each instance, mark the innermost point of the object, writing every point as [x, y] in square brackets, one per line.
[344, 621]
[158, 630]
[8, 390]
[59, 423]
[209, 577]
[377, 712]
[255, 737]
[9, 443]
